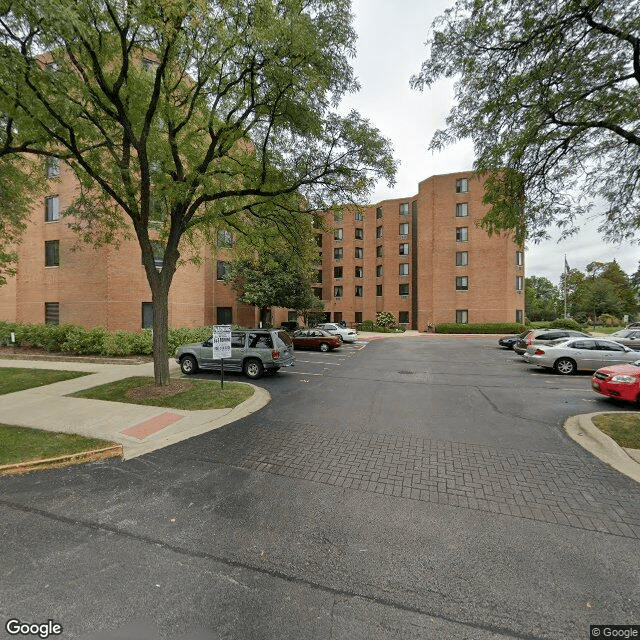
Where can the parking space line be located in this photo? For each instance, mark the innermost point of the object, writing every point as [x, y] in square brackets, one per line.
[302, 373]
[333, 364]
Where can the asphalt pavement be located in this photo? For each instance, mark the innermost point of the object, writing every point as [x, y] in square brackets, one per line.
[416, 488]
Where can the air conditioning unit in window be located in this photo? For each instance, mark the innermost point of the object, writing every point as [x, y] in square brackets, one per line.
[403, 236]
[404, 297]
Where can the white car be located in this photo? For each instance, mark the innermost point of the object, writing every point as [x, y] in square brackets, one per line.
[347, 335]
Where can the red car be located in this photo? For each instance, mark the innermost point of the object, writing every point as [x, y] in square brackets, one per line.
[315, 339]
[620, 381]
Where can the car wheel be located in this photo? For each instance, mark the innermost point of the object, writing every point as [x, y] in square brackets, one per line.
[324, 346]
[341, 338]
[565, 366]
[253, 369]
[188, 365]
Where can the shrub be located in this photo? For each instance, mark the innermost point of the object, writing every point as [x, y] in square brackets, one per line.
[489, 327]
[367, 325]
[565, 323]
[608, 320]
[84, 341]
[385, 319]
[118, 343]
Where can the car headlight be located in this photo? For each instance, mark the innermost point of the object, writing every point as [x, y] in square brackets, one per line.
[623, 379]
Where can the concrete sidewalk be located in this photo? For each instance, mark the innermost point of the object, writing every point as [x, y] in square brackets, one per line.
[138, 428]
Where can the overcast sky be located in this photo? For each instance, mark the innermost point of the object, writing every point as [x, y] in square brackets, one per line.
[391, 37]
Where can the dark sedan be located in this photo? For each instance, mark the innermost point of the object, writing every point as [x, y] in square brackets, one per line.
[315, 339]
[508, 342]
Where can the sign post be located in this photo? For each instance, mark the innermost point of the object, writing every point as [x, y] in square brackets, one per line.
[221, 346]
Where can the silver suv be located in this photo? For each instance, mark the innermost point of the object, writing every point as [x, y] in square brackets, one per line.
[253, 352]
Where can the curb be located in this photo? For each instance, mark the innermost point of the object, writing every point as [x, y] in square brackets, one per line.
[82, 457]
[586, 434]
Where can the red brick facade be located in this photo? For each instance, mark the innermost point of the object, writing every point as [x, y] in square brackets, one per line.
[107, 287]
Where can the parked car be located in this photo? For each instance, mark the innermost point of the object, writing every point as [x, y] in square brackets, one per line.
[634, 325]
[628, 337]
[621, 381]
[347, 335]
[315, 339]
[253, 352]
[546, 336]
[508, 342]
[579, 354]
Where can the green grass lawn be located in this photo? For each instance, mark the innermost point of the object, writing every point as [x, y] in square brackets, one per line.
[17, 378]
[20, 444]
[624, 428]
[201, 394]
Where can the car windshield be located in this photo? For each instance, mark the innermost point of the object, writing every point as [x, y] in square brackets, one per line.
[284, 336]
[625, 333]
[636, 363]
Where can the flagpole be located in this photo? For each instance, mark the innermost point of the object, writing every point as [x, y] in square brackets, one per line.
[566, 273]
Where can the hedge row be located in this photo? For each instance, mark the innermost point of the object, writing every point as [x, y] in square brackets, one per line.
[489, 327]
[70, 338]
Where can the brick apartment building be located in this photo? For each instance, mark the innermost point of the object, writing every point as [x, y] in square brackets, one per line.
[421, 258]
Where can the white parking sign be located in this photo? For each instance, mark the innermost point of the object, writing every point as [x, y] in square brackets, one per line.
[221, 341]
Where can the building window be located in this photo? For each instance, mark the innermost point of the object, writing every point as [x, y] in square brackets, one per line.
[337, 292]
[358, 317]
[462, 210]
[378, 213]
[462, 316]
[52, 253]
[158, 254]
[462, 258]
[462, 234]
[53, 167]
[359, 252]
[462, 185]
[338, 234]
[337, 272]
[358, 292]
[52, 313]
[337, 316]
[359, 272]
[519, 258]
[221, 270]
[404, 209]
[223, 315]
[51, 209]
[404, 249]
[379, 251]
[378, 290]
[378, 271]
[149, 65]
[404, 229]
[359, 233]
[379, 232]
[337, 253]
[357, 216]
[225, 238]
[319, 277]
[519, 316]
[462, 283]
[337, 216]
[318, 239]
[147, 315]
[317, 292]
[404, 269]
[519, 283]
[403, 317]
[403, 289]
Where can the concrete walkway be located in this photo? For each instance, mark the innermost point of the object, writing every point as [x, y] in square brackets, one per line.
[138, 428]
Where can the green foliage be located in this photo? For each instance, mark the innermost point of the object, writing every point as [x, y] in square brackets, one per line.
[548, 92]
[385, 319]
[542, 299]
[565, 323]
[493, 327]
[608, 320]
[84, 341]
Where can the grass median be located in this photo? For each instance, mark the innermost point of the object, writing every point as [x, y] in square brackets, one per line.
[179, 394]
[18, 379]
[624, 428]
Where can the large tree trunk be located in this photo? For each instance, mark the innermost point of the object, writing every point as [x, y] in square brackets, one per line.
[160, 301]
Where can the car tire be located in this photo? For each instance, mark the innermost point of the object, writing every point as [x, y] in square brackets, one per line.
[189, 365]
[253, 368]
[324, 347]
[564, 366]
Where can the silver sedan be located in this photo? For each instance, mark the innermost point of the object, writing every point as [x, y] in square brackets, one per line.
[579, 354]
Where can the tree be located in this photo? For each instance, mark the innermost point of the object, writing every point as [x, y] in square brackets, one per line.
[541, 299]
[549, 93]
[183, 118]
[271, 280]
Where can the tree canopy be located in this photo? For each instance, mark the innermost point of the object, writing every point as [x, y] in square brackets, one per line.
[180, 118]
[549, 94]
